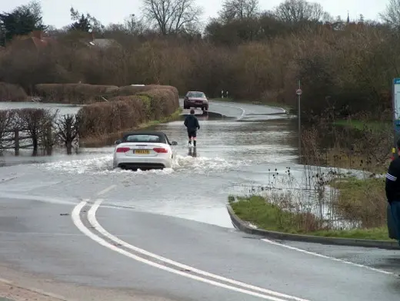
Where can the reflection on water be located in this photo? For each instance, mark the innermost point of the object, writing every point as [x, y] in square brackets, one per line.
[192, 152]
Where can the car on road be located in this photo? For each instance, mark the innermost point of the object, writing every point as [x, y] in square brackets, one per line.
[195, 99]
[143, 150]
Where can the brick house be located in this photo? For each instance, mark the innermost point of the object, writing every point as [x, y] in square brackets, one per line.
[35, 41]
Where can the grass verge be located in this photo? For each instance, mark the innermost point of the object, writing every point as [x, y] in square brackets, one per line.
[362, 200]
[363, 125]
[260, 212]
[109, 139]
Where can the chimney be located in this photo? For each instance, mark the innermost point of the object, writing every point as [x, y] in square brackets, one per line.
[37, 34]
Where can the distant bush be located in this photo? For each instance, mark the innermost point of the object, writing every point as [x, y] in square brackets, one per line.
[73, 93]
[10, 92]
[126, 112]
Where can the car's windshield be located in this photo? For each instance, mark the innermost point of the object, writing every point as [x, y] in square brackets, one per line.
[143, 138]
[196, 94]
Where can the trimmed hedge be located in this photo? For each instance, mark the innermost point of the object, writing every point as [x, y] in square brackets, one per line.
[124, 113]
[11, 92]
[73, 93]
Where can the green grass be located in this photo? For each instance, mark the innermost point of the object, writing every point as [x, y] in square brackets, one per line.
[362, 125]
[169, 118]
[361, 199]
[264, 215]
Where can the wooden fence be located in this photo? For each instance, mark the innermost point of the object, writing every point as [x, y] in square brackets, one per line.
[37, 129]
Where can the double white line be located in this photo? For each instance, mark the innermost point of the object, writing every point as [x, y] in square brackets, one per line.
[100, 235]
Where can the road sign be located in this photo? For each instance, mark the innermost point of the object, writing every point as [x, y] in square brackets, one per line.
[299, 92]
[396, 110]
[396, 99]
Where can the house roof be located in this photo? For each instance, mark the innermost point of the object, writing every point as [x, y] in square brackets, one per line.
[35, 39]
[101, 43]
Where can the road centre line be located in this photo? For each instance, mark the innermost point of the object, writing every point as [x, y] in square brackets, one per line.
[268, 295]
[95, 224]
[328, 257]
[104, 191]
[236, 107]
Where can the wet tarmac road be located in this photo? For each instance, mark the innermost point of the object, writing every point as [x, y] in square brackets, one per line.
[193, 227]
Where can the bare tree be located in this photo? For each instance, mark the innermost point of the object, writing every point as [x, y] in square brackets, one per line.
[296, 11]
[6, 119]
[239, 9]
[67, 131]
[172, 16]
[391, 15]
[38, 123]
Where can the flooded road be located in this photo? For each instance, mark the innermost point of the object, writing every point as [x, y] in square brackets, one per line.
[239, 146]
[235, 151]
[62, 108]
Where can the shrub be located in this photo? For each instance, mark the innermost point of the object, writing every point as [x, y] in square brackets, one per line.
[10, 92]
[73, 93]
[126, 112]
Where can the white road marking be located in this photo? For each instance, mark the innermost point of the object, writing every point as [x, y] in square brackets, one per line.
[77, 221]
[328, 257]
[9, 179]
[93, 221]
[236, 107]
[104, 191]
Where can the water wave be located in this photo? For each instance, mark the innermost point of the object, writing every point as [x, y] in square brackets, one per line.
[103, 165]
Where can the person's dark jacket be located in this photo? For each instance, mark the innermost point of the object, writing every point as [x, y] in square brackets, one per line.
[191, 123]
[392, 186]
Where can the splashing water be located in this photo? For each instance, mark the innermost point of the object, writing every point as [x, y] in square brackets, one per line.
[103, 165]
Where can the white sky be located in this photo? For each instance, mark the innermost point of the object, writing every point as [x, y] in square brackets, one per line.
[56, 12]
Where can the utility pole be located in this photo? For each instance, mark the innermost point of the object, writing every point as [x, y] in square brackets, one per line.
[299, 92]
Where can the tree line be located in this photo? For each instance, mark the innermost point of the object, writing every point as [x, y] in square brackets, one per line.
[254, 54]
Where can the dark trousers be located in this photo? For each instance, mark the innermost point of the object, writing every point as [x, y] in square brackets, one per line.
[395, 210]
[192, 133]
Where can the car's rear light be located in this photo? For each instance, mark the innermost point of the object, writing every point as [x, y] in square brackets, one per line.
[160, 150]
[122, 149]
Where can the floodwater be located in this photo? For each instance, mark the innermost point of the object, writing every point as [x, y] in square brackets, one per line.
[62, 108]
[239, 147]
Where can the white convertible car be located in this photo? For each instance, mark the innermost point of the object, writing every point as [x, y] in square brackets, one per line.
[143, 150]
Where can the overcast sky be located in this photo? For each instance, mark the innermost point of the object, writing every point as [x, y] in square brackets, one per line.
[56, 12]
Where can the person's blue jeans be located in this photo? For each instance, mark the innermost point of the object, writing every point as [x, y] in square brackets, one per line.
[395, 209]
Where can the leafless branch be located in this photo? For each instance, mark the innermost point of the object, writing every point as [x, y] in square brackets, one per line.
[172, 16]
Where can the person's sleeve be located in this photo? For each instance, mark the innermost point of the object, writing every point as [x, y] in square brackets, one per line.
[198, 124]
[185, 122]
[392, 178]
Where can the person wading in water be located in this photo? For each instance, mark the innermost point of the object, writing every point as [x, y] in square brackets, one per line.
[192, 125]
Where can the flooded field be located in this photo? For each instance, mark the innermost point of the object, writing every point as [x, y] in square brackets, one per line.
[62, 108]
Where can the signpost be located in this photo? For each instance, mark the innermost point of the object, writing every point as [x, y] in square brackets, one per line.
[396, 114]
[299, 92]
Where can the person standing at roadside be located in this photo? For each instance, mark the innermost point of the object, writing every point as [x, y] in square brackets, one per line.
[192, 125]
[392, 188]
